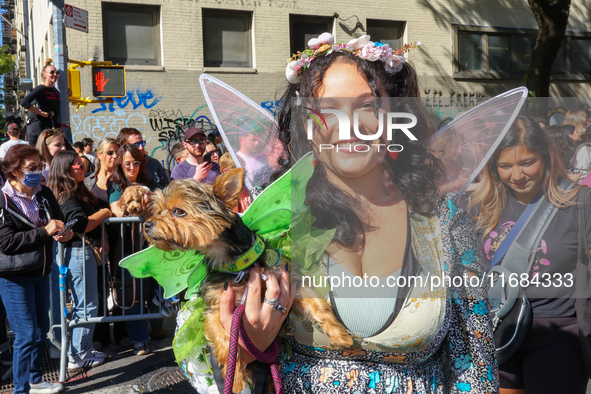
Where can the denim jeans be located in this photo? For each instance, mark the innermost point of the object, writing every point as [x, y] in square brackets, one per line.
[77, 281]
[26, 300]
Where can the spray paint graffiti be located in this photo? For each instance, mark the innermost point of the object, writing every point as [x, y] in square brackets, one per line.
[97, 127]
[435, 98]
[271, 105]
[137, 98]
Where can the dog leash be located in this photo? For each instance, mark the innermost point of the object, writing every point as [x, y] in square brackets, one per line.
[268, 357]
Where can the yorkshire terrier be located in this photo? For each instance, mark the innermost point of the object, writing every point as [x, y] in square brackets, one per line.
[188, 215]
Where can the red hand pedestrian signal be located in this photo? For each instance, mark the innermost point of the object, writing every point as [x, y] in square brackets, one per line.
[100, 81]
[108, 81]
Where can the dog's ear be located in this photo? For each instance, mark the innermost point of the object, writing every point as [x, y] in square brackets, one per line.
[227, 187]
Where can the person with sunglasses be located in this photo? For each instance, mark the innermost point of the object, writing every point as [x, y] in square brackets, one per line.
[131, 168]
[129, 135]
[46, 114]
[195, 167]
[31, 221]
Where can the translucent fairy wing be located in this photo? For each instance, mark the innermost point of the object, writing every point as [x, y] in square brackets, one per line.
[248, 130]
[274, 211]
[175, 271]
[467, 143]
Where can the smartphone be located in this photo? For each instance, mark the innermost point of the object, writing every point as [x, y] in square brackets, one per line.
[207, 157]
[68, 225]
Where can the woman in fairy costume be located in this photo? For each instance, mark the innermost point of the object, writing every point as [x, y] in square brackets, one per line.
[384, 219]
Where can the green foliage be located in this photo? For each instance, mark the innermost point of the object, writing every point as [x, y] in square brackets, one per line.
[6, 60]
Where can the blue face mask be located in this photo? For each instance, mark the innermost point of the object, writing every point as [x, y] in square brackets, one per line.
[32, 178]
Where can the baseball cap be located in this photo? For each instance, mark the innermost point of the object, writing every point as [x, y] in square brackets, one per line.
[12, 126]
[193, 132]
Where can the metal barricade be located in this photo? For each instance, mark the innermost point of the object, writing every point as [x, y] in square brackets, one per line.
[67, 326]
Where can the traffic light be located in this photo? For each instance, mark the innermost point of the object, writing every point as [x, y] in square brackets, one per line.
[74, 82]
[108, 81]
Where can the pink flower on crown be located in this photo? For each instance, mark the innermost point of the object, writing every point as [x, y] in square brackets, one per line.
[394, 64]
[370, 52]
[324, 38]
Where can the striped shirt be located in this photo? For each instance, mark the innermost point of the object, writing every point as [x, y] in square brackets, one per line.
[28, 206]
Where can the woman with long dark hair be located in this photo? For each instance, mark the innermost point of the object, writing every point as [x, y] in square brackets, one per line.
[130, 168]
[525, 168]
[374, 213]
[66, 181]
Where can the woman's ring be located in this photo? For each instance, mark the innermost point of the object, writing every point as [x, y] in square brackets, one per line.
[281, 308]
[272, 302]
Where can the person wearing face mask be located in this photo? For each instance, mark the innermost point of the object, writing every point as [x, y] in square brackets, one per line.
[46, 114]
[31, 220]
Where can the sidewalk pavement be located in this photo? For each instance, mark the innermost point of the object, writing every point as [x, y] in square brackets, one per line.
[123, 372]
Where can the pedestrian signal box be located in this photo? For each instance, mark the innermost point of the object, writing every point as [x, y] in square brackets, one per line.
[108, 81]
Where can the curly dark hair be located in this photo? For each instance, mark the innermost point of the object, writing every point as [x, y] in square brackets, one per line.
[415, 172]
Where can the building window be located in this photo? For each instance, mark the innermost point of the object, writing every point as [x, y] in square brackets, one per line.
[302, 28]
[227, 38]
[386, 32]
[131, 34]
[506, 53]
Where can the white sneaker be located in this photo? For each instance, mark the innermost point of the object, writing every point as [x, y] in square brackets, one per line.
[45, 388]
[90, 361]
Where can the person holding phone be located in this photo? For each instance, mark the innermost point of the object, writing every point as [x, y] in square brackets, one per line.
[79, 205]
[32, 219]
[197, 166]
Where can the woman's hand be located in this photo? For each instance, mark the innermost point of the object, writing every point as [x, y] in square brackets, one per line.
[65, 236]
[261, 322]
[54, 227]
[46, 114]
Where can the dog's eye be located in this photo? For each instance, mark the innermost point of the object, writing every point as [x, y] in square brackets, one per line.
[178, 212]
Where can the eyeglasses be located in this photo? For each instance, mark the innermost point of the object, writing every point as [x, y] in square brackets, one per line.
[78, 165]
[54, 72]
[32, 168]
[136, 164]
[194, 142]
[111, 152]
[214, 152]
[52, 132]
[141, 143]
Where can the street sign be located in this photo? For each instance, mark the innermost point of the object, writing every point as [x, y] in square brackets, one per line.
[108, 81]
[76, 18]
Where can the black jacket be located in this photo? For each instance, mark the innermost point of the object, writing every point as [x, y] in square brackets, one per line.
[25, 249]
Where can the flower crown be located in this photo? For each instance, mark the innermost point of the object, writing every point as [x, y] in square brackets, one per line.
[362, 47]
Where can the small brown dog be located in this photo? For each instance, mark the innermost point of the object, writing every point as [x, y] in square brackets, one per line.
[134, 200]
[188, 215]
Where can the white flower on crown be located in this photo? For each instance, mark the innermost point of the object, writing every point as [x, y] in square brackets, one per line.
[362, 47]
[358, 43]
[324, 38]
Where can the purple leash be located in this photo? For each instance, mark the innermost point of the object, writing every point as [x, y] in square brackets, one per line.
[268, 357]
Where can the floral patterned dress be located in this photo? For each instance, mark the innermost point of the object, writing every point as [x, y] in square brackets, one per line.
[439, 342]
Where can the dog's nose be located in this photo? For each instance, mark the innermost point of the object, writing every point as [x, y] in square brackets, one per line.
[148, 225]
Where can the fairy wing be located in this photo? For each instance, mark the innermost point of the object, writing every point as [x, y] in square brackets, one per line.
[175, 271]
[466, 144]
[249, 131]
[271, 215]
